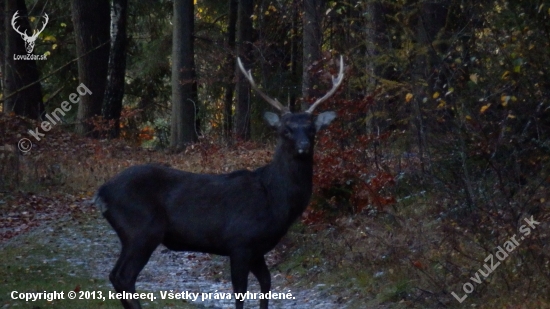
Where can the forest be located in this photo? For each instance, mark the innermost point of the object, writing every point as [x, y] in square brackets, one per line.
[429, 188]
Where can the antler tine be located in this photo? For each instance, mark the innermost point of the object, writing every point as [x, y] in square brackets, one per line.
[269, 100]
[336, 82]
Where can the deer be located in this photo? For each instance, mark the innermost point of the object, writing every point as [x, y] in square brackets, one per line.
[242, 215]
[29, 40]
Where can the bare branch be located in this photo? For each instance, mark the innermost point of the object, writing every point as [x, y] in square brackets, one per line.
[269, 100]
[336, 82]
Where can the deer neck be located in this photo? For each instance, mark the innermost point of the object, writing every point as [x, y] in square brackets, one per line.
[288, 179]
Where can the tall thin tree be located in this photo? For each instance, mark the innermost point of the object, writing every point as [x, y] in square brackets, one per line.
[230, 68]
[91, 21]
[376, 42]
[184, 83]
[295, 52]
[312, 40]
[242, 115]
[2, 43]
[430, 20]
[114, 91]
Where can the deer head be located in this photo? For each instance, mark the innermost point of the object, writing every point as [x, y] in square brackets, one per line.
[29, 40]
[297, 130]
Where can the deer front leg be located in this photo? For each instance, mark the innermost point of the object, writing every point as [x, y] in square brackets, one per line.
[240, 267]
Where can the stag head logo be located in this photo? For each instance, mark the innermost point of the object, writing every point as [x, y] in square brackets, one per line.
[29, 40]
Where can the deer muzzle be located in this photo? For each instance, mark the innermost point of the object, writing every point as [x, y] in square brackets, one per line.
[303, 146]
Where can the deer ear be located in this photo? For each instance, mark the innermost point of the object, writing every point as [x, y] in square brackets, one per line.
[323, 120]
[272, 119]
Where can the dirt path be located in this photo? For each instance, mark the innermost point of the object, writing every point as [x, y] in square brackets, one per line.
[97, 247]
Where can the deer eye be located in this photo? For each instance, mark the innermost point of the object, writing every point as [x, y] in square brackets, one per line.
[287, 132]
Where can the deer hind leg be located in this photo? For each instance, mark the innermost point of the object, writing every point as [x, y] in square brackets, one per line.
[133, 257]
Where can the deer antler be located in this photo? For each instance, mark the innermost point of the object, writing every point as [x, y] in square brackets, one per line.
[37, 32]
[15, 16]
[274, 102]
[336, 82]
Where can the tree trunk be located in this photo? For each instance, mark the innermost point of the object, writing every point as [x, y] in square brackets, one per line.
[91, 21]
[19, 73]
[376, 42]
[376, 38]
[294, 55]
[431, 19]
[2, 46]
[230, 69]
[114, 92]
[184, 83]
[242, 117]
[312, 41]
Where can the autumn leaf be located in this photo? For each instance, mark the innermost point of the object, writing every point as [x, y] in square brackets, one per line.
[418, 264]
[435, 95]
[484, 108]
[408, 97]
[504, 99]
[474, 77]
[50, 38]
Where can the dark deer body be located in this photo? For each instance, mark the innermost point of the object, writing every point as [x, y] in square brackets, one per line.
[242, 215]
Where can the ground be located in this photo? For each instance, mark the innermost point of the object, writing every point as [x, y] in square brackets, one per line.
[76, 253]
